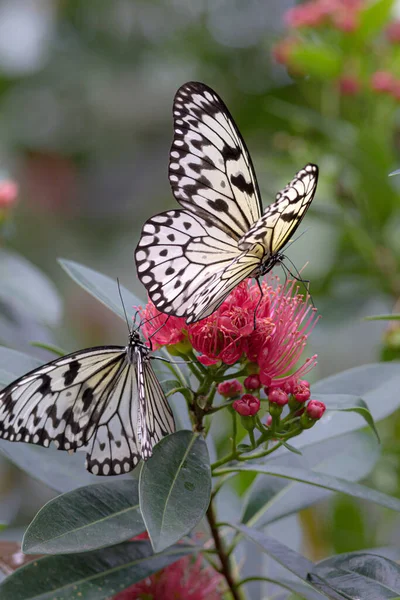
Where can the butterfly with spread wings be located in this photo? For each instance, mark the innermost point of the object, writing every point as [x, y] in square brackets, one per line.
[106, 401]
[190, 260]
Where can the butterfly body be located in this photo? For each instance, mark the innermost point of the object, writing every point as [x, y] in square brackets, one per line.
[190, 260]
[104, 400]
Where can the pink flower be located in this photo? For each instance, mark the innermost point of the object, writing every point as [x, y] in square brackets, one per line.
[278, 396]
[268, 422]
[382, 81]
[8, 193]
[283, 49]
[315, 409]
[186, 579]
[301, 392]
[247, 406]
[252, 382]
[393, 32]
[349, 85]
[294, 320]
[163, 330]
[230, 389]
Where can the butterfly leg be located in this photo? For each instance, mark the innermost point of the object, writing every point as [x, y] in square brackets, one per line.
[156, 331]
[259, 301]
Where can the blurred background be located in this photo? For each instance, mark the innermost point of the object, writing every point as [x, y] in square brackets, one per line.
[86, 91]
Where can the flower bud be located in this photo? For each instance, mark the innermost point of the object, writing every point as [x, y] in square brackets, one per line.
[247, 406]
[315, 409]
[301, 393]
[252, 382]
[393, 32]
[278, 396]
[382, 81]
[230, 389]
[268, 422]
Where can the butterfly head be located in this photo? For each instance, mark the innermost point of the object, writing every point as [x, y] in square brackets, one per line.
[269, 264]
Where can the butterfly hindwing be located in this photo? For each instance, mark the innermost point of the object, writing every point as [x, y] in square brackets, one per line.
[210, 170]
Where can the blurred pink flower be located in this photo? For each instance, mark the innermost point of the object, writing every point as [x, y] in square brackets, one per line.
[8, 193]
[278, 396]
[186, 579]
[393, 32]
[382, 81]
[349, 85]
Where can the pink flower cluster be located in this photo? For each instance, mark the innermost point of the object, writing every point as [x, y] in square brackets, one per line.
[341, 14]
[385, 82]
[184, 579]
[248, 405]
[284, 321]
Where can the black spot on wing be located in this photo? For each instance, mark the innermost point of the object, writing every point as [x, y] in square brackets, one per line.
[242, 185]
[230, 153]
[72, 372]
[87, 398]
[219, 205]
[45, 386]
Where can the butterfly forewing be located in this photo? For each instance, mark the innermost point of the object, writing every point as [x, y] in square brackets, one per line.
[93, 400]
[281, 219]
[210, 169]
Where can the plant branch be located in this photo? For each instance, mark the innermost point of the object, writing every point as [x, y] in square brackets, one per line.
[226, 567]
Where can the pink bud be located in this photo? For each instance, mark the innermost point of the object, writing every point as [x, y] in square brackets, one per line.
[252, 382]
[304, 382]
[315, 409]
[268, 422]
[230, 389]
[301, 393]
[8, 193]
[278, 396]
[382, 81]
[393, 32]
[349, 85]
[247, 406]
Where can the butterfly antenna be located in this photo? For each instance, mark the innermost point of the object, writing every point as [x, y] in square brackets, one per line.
[298, 277]
[295, 239]
[123, 306]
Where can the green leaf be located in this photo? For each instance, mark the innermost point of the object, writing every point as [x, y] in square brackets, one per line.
[108, 514]
[26, 286]
[377, 384]
[359, 575]
[383, 318]
[323, 62]
[319, 479]
[100, 286]
[349, 404]
[175, 488]
[15, 364]
[296, 563]
[91, 575]
[351, 457]
[50, 348]
[372, 18]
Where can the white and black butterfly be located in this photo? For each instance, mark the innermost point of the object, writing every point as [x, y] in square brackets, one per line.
[106, 401]
[190, 260]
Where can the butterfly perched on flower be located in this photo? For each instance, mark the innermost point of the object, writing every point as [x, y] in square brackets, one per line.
[190, 260]
[105, 400]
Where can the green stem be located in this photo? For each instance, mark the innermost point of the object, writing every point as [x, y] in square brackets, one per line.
[234, 432]
[241, 373]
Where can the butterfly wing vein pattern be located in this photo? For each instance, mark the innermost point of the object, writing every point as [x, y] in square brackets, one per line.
[190, 260]
[93, 400]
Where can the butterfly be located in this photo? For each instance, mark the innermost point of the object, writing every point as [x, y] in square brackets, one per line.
[105, 400]
[190, 260]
